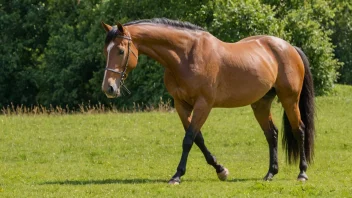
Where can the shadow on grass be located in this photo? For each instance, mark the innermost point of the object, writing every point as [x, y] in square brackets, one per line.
[256, 180]
[244, 180]
[128, 181]
[104, 181]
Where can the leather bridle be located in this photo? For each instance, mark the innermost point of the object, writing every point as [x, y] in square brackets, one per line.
[123, 73]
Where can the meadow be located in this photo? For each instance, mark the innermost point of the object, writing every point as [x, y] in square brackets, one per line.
[134, 154]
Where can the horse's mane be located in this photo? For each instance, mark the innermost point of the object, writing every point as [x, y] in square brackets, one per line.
[168, 22]
[163, 21]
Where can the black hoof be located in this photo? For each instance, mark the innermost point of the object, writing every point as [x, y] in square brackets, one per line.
[271, 173]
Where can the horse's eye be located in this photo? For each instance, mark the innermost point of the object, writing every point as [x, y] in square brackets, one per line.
[121, 51]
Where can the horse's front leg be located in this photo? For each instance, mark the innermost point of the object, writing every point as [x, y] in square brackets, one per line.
[221, 171]
[184, 110]
[201, 111]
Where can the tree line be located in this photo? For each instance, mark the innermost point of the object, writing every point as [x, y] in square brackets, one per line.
[52, 50]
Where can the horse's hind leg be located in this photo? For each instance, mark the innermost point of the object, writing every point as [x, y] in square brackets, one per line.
[297, 128]
[262, 113]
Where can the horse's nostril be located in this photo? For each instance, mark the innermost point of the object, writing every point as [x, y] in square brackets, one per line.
[110, 90]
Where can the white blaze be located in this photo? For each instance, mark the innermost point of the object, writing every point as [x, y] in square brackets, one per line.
[110, 46]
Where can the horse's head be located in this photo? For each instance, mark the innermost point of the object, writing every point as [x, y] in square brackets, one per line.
[121, 57]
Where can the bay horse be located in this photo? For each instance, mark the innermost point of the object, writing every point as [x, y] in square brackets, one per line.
[202, 72]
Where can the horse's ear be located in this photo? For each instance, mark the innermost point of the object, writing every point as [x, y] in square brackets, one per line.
[120, 27]
[106, 27]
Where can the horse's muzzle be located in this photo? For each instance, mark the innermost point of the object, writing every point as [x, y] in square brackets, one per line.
[112, 92]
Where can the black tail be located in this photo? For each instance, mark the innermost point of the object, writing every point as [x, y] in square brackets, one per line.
[306, 107]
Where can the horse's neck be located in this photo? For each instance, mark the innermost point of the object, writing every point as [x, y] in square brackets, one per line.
[167, 46]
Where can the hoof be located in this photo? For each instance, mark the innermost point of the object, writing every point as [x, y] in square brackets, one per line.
[174, 181]
[223, 174]
[302, 177]
[268, 177]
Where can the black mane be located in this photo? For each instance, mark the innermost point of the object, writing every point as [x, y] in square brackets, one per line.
[169, 22]
[163, 21]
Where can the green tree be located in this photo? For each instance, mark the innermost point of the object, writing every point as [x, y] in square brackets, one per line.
[342, 38]
[23, 39]
[71, 55]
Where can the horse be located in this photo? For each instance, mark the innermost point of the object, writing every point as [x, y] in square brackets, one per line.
[203, 72]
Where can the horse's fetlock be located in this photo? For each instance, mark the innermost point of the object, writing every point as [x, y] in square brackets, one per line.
[303, 166]
[211, 160]
[219, 168]
[275, 169]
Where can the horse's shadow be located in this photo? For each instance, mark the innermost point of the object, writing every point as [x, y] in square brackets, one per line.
[104, 181]
[244, 179]
[124, 181]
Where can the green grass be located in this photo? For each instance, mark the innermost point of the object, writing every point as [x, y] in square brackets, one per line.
[134, 155]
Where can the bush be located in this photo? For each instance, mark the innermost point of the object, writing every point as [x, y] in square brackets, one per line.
[342, 38]
[23, 38]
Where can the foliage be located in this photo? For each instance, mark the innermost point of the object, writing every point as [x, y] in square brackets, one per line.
[23, 39]
[51, 51]
[70, 56]
[233, 21]
[342, 38]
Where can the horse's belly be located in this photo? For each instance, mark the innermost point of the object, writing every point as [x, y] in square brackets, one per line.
[242, 92]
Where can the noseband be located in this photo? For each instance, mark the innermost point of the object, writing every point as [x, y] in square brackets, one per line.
[123, 73]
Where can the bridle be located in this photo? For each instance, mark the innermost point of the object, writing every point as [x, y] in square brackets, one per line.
[123, 73]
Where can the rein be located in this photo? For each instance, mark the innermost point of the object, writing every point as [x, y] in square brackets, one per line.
[123, 73]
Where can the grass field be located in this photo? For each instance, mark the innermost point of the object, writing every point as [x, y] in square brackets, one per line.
[134, 155]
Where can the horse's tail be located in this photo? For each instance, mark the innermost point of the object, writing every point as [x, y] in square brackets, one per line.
[306, 107]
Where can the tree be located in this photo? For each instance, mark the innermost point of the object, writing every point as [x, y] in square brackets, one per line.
[71, 55]
[342, 38]
[23, 39]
